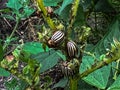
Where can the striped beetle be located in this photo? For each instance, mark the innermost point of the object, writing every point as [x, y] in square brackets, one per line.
[72, 49]
[56, 38]
[70, 68]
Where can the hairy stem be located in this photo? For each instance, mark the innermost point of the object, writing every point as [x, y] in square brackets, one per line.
[96, 66]
[73, 84]
[73, 15]
[45, 14]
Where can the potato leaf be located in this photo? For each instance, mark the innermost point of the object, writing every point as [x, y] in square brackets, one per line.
[99, 78]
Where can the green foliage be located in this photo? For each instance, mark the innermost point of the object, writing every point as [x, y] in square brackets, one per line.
[51, 2]
[61, 55]
[39, 58]
[99, 78]
[64, 13]
[115, 85]
[16, 5]
[47, 83]
[106, 4]
[24, 52]
[64, 5]
[4, 73]
[1, 52]
[64, 10]
[34, 47]
[85, 86]
[49, 62]
[80, 18]
[48, 59]
[27, 12]
[105, 42]
[15, 85]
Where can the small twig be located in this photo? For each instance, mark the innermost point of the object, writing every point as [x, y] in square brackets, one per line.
[26, 21]
[16, 25]
[8, 52]
[7, 22]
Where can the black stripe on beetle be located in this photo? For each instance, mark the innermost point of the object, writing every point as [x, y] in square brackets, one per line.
[72, 49]
[57, 37]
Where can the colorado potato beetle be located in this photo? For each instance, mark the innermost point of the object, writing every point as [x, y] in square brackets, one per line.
[72, 49]
[56, 38]
[70, 68]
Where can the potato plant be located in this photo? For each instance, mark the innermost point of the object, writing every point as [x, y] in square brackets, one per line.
[80, 37]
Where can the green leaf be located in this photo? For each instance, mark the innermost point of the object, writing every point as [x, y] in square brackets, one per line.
[49, 62]
[47, 59]
[34, 47]
[1, 52]
[61, 55]
[62, 83]
[17, 51]
[4, 73]
[26, 69]
[51, 2]
[27, 12]
[115, 85]
[98, 78]
[64, 13]
[41, 56]
[64, 4]
[11, 84]
[25, 52]
[14, 4]
[104, 3]
[82, 85]
[87, 61]
[14, 84]
[80, 17]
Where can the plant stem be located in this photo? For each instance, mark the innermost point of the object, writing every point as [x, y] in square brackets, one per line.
[99, 65]
[72, 17]
[117, 69]
[16, 25]
[73, 84]
[111, 56]
[45, 14]
[74, 11]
